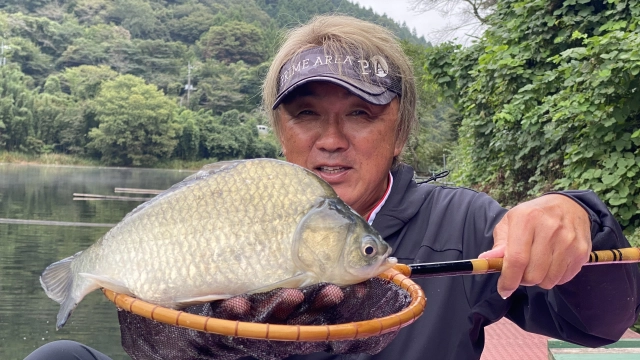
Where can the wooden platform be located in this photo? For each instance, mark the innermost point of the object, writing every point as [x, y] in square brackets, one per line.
[506, 341]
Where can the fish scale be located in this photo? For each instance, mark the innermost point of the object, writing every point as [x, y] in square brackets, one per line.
[231, 228]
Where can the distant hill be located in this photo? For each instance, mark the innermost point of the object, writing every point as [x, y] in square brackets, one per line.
[155, 39]
[137, 82]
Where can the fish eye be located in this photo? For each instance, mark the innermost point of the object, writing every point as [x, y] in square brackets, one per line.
[369, 248]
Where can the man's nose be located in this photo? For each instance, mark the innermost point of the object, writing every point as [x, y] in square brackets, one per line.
[332, 137]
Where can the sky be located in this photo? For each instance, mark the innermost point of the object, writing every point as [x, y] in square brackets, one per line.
[425, 23]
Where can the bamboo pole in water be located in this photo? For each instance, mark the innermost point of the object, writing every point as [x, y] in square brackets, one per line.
[137, 191]
[79, 196]
[52, 223]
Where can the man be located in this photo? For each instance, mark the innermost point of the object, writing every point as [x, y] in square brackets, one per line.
[337, 116]
[342, 100]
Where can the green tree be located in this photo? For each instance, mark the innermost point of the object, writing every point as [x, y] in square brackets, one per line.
[138, 17]
[92, 12]
[32, 61]
[549, 99]
[50, 37]
[49, 109]
[84, 82]
[136, 123]
[16, 110]
[232, 42]
[188, 146]
[190, 20]
[157, 61]
[234, 135]
[224, 87]
[98, 44]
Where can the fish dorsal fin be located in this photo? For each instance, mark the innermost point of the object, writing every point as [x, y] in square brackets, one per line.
[210, 169]
[203, 173]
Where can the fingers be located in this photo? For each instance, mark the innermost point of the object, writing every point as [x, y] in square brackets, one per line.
[516, 252]
[545, 242]
[236, 307]
[328, 296]
[280, 304]
[496, 252]
[283, 303]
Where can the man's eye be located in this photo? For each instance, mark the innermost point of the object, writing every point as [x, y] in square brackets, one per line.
[358, 113]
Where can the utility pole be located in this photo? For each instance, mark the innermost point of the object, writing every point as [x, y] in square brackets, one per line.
[3, 60]
[189, 87]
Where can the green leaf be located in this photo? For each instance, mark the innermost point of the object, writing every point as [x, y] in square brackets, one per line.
[609, 179]
[585, 11]
[616, 200]
[604, 73]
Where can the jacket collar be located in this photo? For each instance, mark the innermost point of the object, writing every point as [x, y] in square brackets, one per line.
[403, 203]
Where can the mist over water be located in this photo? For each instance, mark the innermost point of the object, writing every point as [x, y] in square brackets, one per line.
[38, 196]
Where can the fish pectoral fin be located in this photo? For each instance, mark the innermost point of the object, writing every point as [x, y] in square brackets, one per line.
[184, 302]
[296, 281]
[108, 283]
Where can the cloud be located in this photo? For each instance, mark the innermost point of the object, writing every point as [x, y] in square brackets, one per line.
[426, 24]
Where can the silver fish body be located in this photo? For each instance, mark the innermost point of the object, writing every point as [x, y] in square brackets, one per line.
[232, 228]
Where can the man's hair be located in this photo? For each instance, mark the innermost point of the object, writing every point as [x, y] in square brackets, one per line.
[340, 34]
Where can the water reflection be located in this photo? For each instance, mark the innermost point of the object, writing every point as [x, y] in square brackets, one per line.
[27, 316]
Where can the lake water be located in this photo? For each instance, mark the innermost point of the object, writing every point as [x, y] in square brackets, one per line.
[30, 194]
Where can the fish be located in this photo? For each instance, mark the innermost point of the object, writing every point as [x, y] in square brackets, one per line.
[234, 227]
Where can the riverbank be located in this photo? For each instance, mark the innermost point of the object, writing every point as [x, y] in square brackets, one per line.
[73, 160]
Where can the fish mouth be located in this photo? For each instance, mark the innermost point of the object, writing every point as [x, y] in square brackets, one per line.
[388, 263]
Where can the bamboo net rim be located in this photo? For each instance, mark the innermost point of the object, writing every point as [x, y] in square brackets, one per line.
[347, 331]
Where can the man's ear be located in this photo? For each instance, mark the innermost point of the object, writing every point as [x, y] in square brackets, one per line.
[283, 151]
[398, 147]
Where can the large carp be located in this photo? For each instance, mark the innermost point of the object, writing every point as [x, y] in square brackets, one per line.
[232, 228]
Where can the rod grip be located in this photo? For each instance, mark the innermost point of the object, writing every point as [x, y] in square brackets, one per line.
[615, 255]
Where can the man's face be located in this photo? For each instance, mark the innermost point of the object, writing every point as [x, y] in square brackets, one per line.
[347, 141]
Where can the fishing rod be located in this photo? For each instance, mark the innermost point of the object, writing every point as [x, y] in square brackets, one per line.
[492, 265]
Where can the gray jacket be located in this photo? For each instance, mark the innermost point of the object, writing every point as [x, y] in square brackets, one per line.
[427, 223]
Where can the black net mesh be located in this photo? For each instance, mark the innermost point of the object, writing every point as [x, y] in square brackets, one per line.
[321, 304]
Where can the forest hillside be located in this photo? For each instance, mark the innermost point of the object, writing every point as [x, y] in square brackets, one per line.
[137, 82]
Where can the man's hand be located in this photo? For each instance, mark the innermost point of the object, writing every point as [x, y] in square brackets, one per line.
[544, 242]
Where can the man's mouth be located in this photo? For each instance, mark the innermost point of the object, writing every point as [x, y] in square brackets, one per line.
[332, 169]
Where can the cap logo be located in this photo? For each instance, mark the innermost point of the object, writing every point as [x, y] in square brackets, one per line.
[376, 65]
[380, 66]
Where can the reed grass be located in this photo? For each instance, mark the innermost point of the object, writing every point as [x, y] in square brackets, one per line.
[74, 160]
[45, 159]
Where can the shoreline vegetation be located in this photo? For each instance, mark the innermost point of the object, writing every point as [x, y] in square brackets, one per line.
[12, 157]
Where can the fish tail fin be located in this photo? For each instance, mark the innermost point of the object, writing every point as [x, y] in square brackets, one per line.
[57, 280]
